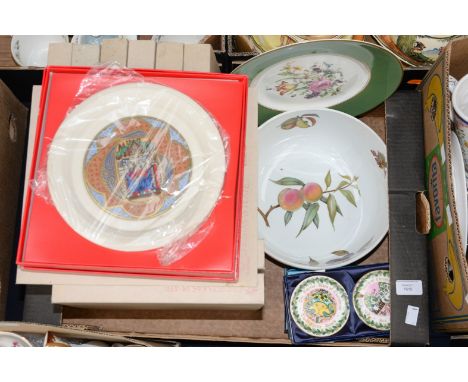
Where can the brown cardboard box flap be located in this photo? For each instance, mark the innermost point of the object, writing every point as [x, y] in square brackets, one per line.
[76, 332]
[13, 127]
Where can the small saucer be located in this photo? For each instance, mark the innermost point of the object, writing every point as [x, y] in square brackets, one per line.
[319, 306]
[371, 299]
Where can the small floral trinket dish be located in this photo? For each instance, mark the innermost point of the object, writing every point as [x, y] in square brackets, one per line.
[371, 299]
[319, 306]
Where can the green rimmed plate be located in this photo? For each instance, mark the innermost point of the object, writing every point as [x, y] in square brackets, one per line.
[371, 299]
[319, 306]
[349, 76]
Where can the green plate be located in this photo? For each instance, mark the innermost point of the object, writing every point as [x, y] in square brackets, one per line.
[349, 76]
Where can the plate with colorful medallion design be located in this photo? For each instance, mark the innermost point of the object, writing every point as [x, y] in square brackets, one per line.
[346, 75]
[371, 299]
[136, 167]
[319, 306]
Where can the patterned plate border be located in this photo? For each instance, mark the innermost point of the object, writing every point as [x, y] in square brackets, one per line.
[341, 292]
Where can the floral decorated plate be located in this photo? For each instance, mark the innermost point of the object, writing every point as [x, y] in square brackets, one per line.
[136, 167]
[371, 299]
[459, 188]
[33, 50]
[13, 340]
[323, 199]
[350, 76]
[319, 306]
[415, 50]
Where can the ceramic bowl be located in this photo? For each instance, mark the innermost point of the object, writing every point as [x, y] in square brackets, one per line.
[136, 167]
[8, 339]
[33, 50]
[98, 39]
[323, 197]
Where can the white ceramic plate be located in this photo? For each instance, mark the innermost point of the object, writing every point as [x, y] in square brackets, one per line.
[98, 39]
[33, 50]
[371, 299]
[459, 188]
[319, 306]
[136, 167]
[12, 340]
[323, 198]
[311, 81]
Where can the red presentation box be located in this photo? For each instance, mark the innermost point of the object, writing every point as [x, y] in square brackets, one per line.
[47, 242]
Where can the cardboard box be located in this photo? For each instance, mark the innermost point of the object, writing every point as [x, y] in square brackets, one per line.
[267, 325]
[114, 50]
[141, 54]
[60, 54]
[170, 56]
[200, 58]
[448, 263]
[6, 59]
[111, 291]
[85, 55]
[13, 127]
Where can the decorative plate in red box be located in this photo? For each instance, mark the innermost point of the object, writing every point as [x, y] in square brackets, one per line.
[136, 170]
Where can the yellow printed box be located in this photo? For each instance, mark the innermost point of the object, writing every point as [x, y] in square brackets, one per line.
[447, 258]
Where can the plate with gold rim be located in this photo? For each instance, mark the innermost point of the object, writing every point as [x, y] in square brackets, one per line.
[349, 76]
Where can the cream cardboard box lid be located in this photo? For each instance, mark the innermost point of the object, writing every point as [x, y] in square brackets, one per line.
[136, 54]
